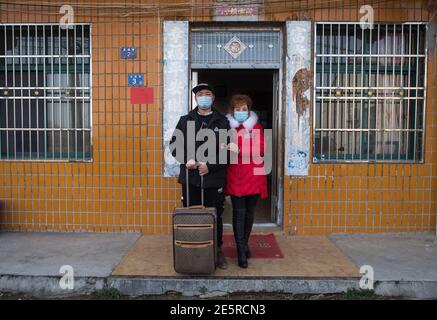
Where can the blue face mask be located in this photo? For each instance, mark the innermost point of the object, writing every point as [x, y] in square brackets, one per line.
[241, 116]
[204, 102]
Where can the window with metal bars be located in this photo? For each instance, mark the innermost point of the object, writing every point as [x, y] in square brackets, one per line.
[369, 93]
[45, 92]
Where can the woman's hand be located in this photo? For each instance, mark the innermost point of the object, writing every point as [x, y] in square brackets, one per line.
[233, 147]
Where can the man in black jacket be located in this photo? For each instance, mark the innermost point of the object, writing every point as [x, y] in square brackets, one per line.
[204, 116]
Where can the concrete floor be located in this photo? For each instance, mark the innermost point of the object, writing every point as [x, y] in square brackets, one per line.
[42, 254]
[411, 257]
[303, 257]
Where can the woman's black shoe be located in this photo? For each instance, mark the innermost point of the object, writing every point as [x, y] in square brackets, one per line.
[242, 258]
[242, 264]
[248, 253]
[241, 254]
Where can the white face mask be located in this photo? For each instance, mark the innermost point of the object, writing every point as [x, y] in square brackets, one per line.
[204, 102]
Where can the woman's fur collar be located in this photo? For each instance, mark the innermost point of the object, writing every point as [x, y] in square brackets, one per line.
[250, 122]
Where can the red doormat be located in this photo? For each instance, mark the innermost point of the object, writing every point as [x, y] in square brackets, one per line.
[262, 246]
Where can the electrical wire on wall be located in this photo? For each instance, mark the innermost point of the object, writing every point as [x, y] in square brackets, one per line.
[150, 9]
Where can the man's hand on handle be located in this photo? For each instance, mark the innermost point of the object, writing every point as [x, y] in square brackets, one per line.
[192, 164]
[203, 168]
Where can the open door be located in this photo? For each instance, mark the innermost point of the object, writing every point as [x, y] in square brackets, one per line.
[262, 85]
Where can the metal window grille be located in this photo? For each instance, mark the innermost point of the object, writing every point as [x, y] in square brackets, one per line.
[369, 93]
[235, 49]
[45, 85]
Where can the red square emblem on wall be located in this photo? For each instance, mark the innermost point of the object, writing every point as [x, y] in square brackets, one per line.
[141, 95]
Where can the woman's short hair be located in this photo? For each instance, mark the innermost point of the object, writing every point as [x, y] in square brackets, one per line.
[239, 99]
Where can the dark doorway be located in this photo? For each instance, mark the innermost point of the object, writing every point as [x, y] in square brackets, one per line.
[258, 84]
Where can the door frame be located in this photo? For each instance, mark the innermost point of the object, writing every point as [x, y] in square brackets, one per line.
[276, 192]
[277, 152]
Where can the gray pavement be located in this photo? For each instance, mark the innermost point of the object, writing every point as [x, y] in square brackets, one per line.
[397, 257]
[43, 254]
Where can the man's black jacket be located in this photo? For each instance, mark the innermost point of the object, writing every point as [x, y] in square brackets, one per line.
[216, 176]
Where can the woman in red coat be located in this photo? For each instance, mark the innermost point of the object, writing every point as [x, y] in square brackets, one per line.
[246, 180]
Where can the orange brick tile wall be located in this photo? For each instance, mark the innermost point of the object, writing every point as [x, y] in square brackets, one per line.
[123, 188]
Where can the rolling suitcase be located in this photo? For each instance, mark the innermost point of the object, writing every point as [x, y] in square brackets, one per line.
[194, 237]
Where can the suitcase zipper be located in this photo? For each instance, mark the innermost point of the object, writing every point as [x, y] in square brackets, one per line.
[190, 226]
[187, 244]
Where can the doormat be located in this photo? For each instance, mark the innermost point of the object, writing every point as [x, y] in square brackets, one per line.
[262, 246]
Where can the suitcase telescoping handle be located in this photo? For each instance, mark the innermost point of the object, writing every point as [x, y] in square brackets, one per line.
[188, 188]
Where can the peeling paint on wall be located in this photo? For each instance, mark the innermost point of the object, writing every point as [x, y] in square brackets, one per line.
[298, 97]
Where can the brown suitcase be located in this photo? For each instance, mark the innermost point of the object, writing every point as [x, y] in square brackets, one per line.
[194, 237]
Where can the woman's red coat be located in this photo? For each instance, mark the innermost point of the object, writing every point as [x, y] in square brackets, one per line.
[241, 179]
